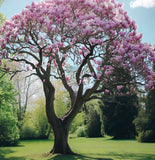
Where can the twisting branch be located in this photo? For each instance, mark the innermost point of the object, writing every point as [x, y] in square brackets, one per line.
[85, 61]
[64, 81]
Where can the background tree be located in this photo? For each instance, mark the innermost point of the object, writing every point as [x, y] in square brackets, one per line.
[2, 17]
[35, 123]
[81, 40]
[61, 99]
[120, 108]
[118, 117]
[9, 132]
[146, 119]
[23, 86]
[145, 122]
[92, 122]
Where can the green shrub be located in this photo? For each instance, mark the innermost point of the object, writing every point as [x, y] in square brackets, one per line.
[93, 123]
[78, 121]
[28, 130]
[81, 132]
[118, 117]
[9, 132]
[146, 136]
[35, 124]
[40, 120]
[145, 122]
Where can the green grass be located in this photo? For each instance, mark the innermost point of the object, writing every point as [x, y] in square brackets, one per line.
[87, 149]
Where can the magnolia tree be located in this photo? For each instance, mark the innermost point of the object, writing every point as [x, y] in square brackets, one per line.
[79, 42]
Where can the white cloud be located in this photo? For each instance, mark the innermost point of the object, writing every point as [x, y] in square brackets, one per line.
[142, 3]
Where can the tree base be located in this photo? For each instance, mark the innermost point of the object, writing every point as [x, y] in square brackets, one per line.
[62, 151]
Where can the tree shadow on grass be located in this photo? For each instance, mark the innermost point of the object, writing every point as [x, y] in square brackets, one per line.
[133, 156]
[121, 156]
[4, 152]
[76, 157]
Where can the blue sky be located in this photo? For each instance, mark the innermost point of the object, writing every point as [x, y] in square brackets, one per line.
[142, 11]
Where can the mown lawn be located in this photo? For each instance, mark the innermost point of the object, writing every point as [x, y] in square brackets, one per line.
[87, 149]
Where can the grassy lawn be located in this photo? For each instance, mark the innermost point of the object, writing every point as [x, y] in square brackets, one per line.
[87, 148]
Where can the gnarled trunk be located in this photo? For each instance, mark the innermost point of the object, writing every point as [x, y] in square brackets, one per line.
[61, 144]
[60, 126]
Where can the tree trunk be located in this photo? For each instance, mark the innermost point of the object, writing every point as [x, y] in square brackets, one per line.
[60, 126]
[61, 145]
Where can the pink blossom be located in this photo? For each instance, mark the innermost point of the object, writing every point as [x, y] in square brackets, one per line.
[98, 67]
[147, 87]
[57, 49]
[99, 76]
[99, 62]
[118, 58]
[36, 64]
[119, 87]
[44, 80]
[64, 55]
[127, 93]
[55, 63]
[133, 60]
[122, 51]
[149, 77]
[27, 68]
[92, 74]
[80, 52]
[106, 91]
[67, 78]
[8, 68]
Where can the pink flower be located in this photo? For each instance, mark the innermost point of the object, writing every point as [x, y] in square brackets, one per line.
[147, 87]
[98, 76]
[127, 93]
[80, 52]
[44, 80]
[8, 68]
[98, 67]
[57, 49]
[119, 87]
[49, 48]
[36, 64]
[55, 63]
[64, 55]
[99, 62]
[92, 74]
[118, 58]
[67, 78]
[28, 68]
[106, 91]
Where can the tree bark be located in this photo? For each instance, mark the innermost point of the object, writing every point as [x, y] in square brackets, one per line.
[61, 144]
[60, 126]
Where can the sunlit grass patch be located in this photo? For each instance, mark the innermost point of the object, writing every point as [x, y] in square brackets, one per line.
[87, 149]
